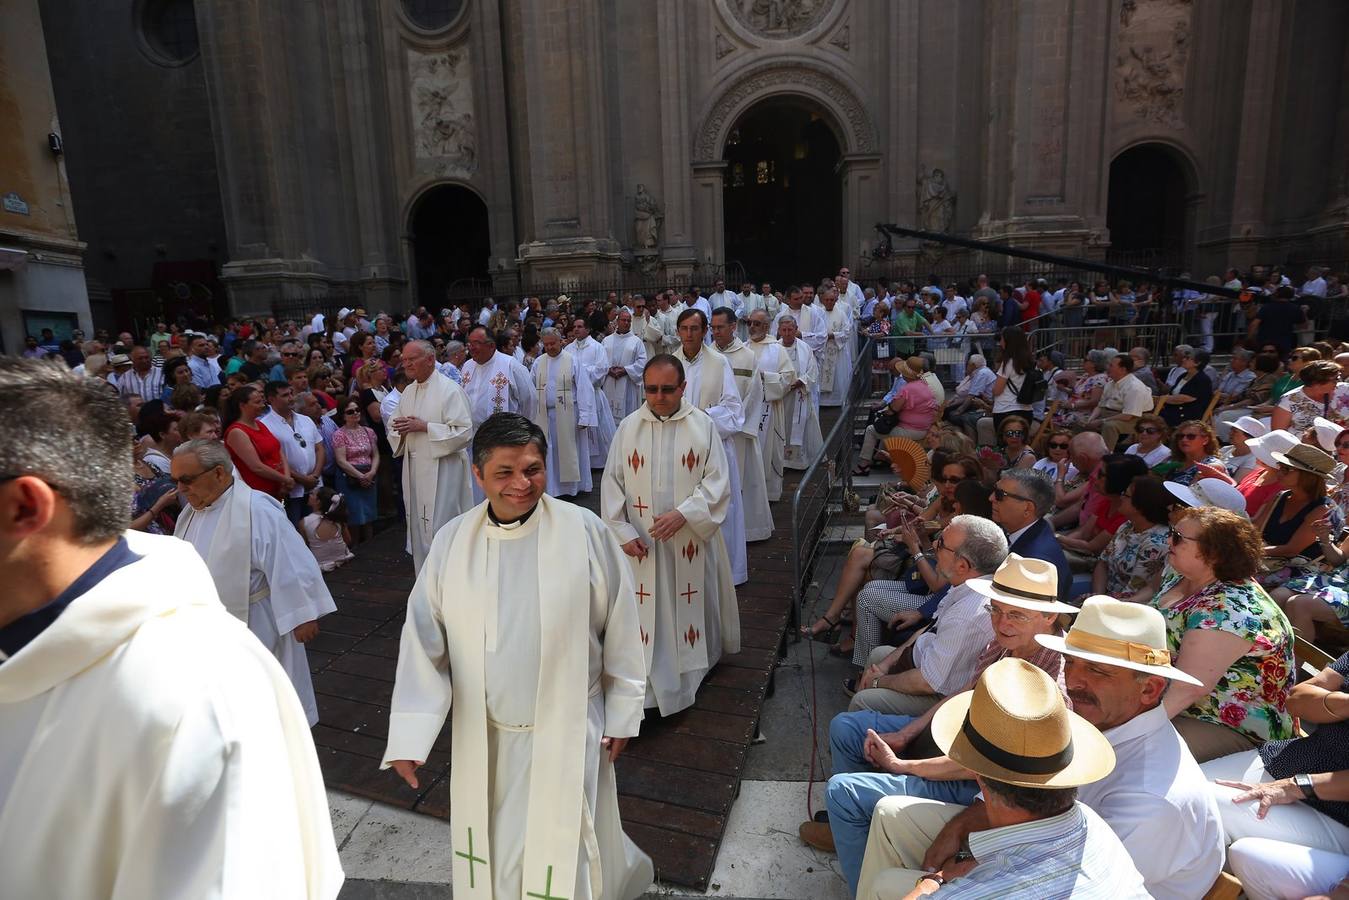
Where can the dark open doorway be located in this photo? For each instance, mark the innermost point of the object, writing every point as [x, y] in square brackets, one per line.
[783, 198]
[1147, 207]
[449, 241]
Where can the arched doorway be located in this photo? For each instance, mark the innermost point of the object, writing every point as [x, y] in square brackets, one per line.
[783, 192]
[450, 241]
[1147, 207]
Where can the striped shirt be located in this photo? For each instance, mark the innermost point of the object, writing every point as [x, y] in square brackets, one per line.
[150, 385]
[946, 654]
[1074, 854]
[1048, 661]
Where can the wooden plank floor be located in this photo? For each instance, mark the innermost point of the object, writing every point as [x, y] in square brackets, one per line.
[676, 781]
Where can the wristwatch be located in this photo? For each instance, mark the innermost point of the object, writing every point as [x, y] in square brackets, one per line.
[1304, 782]
[930, 876]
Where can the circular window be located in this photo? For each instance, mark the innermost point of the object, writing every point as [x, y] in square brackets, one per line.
[432, 15]
[170, 30]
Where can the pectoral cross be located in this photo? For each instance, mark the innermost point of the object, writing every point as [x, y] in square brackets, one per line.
[547, 889]
[472, 860]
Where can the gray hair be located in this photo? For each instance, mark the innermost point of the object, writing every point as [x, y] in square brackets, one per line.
[1099, 359]
[1186, 349]
[791, 319]
[985, 544]
[1141, 351]
[1089, 443]
[452, 347]
[1036, 485]
[978, 360]
[550, 332]
[1245, 354]
[209, 453]
[425, 347]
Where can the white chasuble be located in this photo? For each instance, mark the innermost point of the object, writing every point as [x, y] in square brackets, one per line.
[532, 679]
[837, 356]
[686, 598]
[810, 325]
[593, 363]
[710, 386]
[564, 407]
[624, 393]
[436, 479]
[778, 370]
[801, 411]
[748, 452]
[150, 748]
[499, 385]
[264, 573]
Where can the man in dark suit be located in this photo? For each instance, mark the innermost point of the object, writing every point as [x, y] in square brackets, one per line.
[1021, 498]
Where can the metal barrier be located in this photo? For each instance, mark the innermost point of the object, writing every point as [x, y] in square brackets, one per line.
[824, 485]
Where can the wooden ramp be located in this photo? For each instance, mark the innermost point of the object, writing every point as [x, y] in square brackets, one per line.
[676, 781]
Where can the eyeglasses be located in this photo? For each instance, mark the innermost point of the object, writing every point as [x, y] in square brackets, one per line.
[1055, 445]
[665, 389]
[351, 412]
[1015, 432]
[1000, 494]
[186, 480]
[1015, 616]
[1148, 429]
[1176, 537]
[289, 353]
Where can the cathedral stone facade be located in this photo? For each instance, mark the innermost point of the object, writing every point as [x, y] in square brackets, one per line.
[389, 149]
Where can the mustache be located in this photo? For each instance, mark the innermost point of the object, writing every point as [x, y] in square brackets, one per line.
[1082, 697]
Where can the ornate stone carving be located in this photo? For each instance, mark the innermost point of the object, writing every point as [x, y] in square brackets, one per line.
[445, 131]
[780, 18]
[648, 217]
[799, 78]
[936, 201]
[842, 38]
[1152, 50]
[722, 45]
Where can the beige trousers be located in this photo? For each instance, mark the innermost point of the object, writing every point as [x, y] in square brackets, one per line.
[884, 700]
[902, 829]
[1209, 741]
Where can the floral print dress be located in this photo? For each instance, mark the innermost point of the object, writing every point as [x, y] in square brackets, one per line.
[1081, 391]
[1132, 558]
[1252, 697]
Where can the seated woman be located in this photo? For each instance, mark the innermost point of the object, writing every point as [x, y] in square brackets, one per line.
[1224, 630]
[942, 443]
[1152, 433]
[1289, 523]
[1194, 454]
[913, 406]
[1237, 457]
[1256, 396]
[1285, 806]
[1055, 461]
[1297, 410]
[1190, 392]
[1084, 544]
[1137, 552]
[1262, 483]
[1086, 393]
[1013, 434]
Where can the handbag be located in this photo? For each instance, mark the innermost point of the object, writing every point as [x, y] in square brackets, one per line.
[885, 421]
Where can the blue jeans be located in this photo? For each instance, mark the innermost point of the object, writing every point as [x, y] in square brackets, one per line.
[856, 788]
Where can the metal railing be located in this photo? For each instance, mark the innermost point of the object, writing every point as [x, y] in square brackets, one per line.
[824, 485]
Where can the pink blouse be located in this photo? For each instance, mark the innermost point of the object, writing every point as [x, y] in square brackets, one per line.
[359, 450]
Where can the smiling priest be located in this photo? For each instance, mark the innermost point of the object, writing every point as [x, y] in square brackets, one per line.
[666, 494]
[524, 615]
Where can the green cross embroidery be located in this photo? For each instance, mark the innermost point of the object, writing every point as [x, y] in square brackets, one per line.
[547, 890]
[472, 860]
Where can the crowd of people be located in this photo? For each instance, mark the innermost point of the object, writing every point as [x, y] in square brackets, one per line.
[1073, 617]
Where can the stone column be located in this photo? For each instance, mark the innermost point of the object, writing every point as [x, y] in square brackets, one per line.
[678, 247]
[708, 218]
[862, 188]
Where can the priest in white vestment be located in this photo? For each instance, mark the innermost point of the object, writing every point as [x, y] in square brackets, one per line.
[836, 357]
[494, 381]
[431, 430]
[811, 327]
[748, 453]
[622, 384]
[643, 325]
[666, 496]
[711, 388]
[594, 362]
[523, 627]
[800, 407]
[150, 746]
[777, 368]
[564, 407]
[662, 334]
[264, 572]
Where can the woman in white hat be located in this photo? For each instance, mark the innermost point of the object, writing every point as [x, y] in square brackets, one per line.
[1334, 439]
[1237, 456]
[1288, 524]
[1262, 482]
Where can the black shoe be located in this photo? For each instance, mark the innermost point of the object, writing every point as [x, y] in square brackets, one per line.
[822, 816]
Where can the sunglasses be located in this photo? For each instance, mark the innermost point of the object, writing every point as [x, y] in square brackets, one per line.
[1192, 437]
[351, 412]
[665, 389]
[1148, 429]
[1000, 494]
[950, 479]
[299, 440]
[1016, 432]
[290, 354]
[1176, 537]
[1054, 445]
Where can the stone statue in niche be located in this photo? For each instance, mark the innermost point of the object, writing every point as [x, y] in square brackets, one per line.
[648, 217]
[780, 18]
[442, 111]
[936, 201]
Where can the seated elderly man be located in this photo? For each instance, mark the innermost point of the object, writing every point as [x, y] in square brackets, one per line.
[1124, 399]
[1029, 755]
[1021, 498]
[1285, 807]
[941, 659]
[864, 744]
[1086, 450]
[1116, 667]
[1238, 377]
[973, 397]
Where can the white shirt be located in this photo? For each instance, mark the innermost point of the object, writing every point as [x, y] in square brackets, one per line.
[1154, 457]
[301, 459]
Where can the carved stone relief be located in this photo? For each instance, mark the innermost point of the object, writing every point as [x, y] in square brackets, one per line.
[1152, 50]
[936, 201]
[722, 45]
[842, 38]
[648, 217]
[780, 18]
[444, 127]
[841, 102]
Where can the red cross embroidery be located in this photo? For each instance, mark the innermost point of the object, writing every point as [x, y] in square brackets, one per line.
[642, 593]
[640, 507]
[499, 382]
[689, 593]
[692, 635]
[636, 461]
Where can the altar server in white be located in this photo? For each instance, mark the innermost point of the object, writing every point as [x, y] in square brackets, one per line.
[564, 408]
[523, 628]
[622, 384]
[777, 367]
[594, 362]
[666, 496]
[836, 357]
[800, 408]
[748, 454]
[431, 429]
[150, 747]
[711, 388]
[493, 380]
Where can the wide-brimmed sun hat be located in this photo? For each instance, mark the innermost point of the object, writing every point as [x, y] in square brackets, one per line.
[1025, 582]
[1210, 492]
[1117, 633]
[1306, 458]
[1251, 426]
[1327, 432]
[1270, 442]
[1015, 728]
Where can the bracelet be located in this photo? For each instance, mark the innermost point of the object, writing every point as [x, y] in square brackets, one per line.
[930, 876]
[1325, 702]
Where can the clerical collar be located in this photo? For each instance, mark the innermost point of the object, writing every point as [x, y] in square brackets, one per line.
[513, 523]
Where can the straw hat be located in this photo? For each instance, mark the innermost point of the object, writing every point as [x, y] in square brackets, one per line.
[1251, 426]
[119, 359]
[1025, 582]
[1210, 492]
[1117, 633]
[1306, 458]
[1014, 727]
[910, 369]
[909, 460]
[1326, 433]
[1268, 443]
